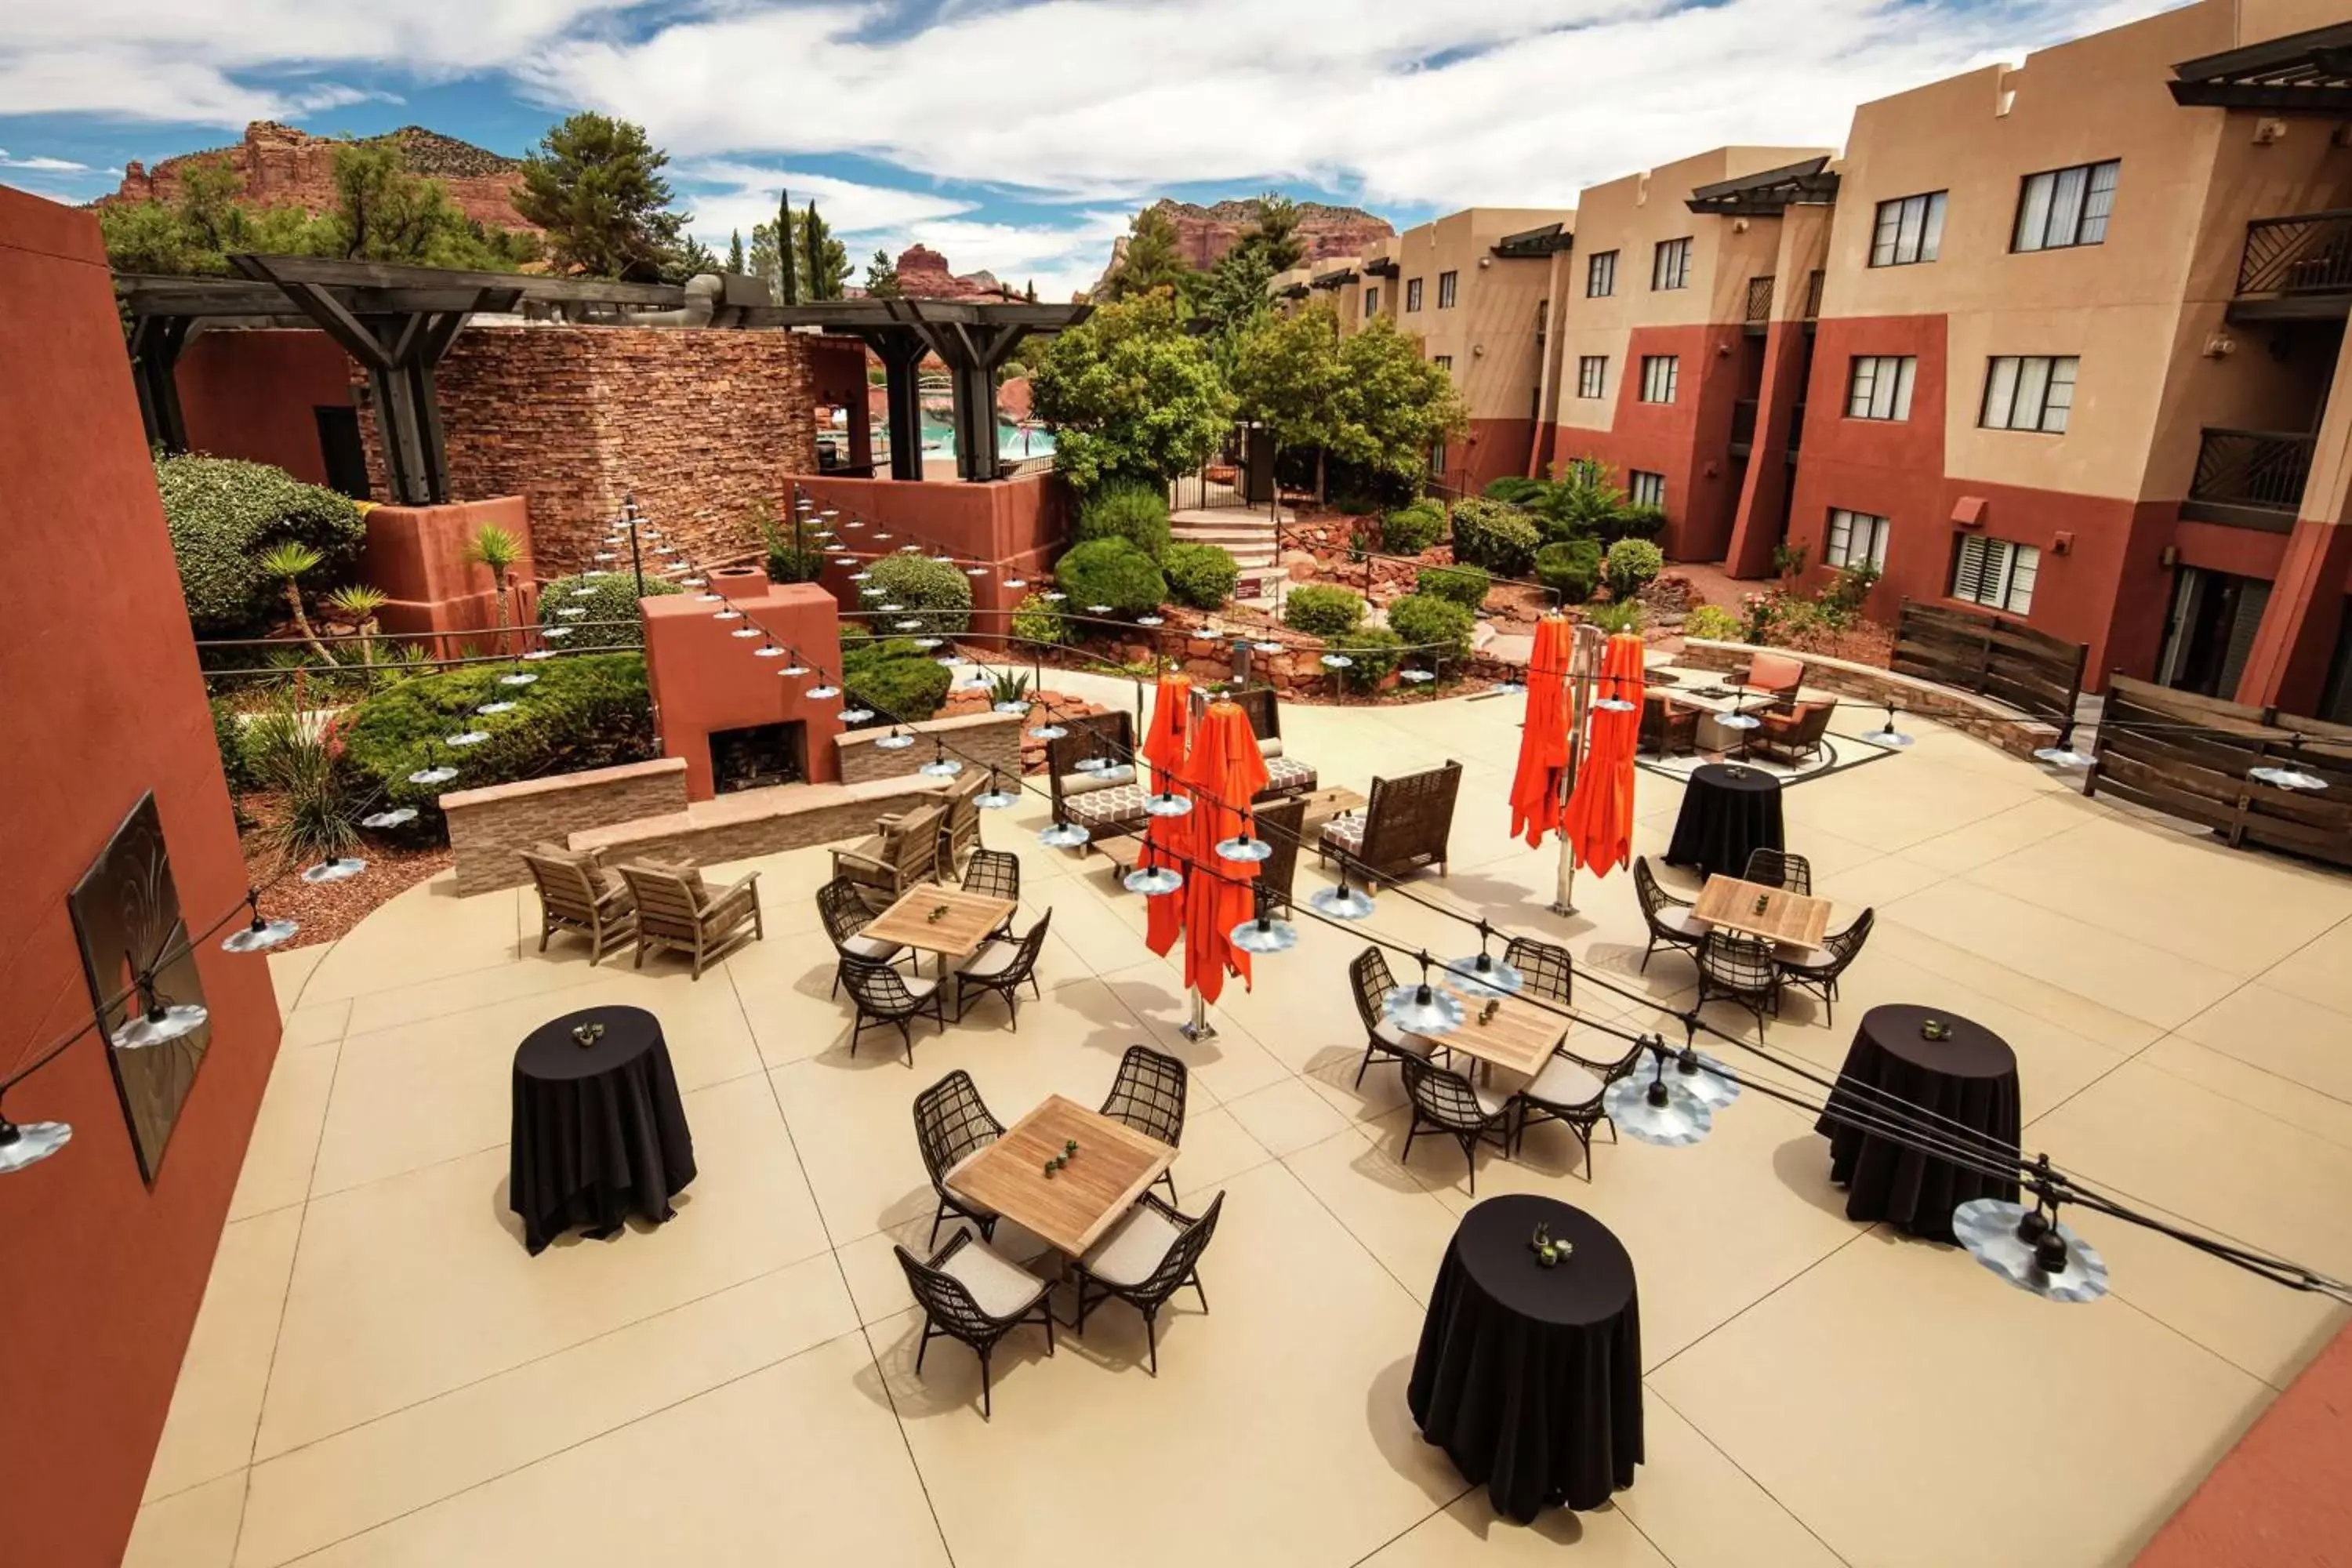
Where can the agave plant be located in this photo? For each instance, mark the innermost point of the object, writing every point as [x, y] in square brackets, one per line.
[501, 553]
[1620, 616]
[1009, 686]
[288, 562]
[357, 603]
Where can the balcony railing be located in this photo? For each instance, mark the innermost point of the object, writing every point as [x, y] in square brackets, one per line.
[2311, 254]
[1759, 300]
[2257, 470]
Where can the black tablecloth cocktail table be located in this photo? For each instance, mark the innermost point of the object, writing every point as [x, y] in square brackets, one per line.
[598, 1128]
[1530, 1378]
[1728, 812]
[1970, 1078]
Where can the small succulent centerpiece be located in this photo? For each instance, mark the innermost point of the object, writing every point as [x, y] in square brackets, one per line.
[588, 1034]
[1486, 1013]
[1550, 1254]
[1935, 1029]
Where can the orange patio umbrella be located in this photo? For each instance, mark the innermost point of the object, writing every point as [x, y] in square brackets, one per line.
[1226, 773]
[1543, 742]
[1168, 841]
[1599, 819]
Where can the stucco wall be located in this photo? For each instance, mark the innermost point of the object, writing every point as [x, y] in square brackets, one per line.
[255, 395]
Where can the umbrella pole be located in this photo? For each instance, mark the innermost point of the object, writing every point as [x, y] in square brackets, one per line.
[1199, 1028]
[1580, 661]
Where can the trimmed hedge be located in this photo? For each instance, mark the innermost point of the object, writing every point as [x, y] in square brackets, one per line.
[1201, 575]
[1635, 522]
[1132, 509]
[1570, 568]
[610, 597]
[1323, 609]
[1375, 651]
[1410, 530]
[591, 711]
[1110, 571]
[1465, 585]
[918, 583]
[1632, 565]
[1425, 621]
[893, 677]
[1490, 534]
[224, 515]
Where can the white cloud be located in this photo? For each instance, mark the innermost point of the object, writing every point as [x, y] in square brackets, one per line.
[727, 196]
[42, 165]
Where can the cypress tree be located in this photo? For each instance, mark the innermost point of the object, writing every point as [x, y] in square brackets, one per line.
[813, 241]
[791, 285]
[735, 251]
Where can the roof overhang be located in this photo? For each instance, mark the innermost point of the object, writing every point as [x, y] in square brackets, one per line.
[1770, 193]
[1381, 267]
[1536, 243]
[1339, 279]
[2303, 73]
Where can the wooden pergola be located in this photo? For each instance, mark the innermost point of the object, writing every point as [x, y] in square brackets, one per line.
[2303, 73]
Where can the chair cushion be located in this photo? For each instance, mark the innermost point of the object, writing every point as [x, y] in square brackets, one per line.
[1136, 1244]
[871, 948]
[1562, 1081]
[1788, 955]
[1775, 672]
[1270, 747]
[919, 986]
[1286, 775]
[993, 959]
[866, 849]
[1490, 1100]
[1113, 804]
[1396, 1039]
[676, 868]
[1083, 784]
[1001, 1288]
[1345, 831]
[1682, 922]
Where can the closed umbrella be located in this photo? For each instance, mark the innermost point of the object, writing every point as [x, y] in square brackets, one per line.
[1543, 742]
[1599, 819]
[1168, 840]
[1226, 774]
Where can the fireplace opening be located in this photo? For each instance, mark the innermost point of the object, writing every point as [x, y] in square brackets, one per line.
[757, 757]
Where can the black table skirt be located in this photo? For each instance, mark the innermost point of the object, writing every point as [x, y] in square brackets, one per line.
[1728, 813]
[1970, 1078]
[598, 1131]
[1529, 1378]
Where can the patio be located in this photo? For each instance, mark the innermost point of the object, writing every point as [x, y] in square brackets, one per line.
[381, 1374]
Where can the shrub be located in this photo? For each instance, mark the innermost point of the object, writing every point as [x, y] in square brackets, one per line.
[1375, 651]
[1439, 625]
[228, 738]
[1201, 575]
[1410, 530]
[1111, 572]
[1323, 610]
[1712, 622]
[1570, 568]
[1632, 564]
[1039, 620]
[586, 712]
[611, 598]
[1490, 534]
[1128, 508]
[1842, 600]
[224, 515]
[1516, 490]
[918, 583]
[1635, 522]
[1622, 615]
[909, 687]
[1465, 585]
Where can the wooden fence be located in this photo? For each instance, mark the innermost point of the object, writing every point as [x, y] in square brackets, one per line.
[2187, 757]
[2031, 671]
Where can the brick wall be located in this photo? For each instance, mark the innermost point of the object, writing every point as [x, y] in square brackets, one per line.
[698, 423]
[487, 826]
[1991, 722]
[978, 740]
[762, 822]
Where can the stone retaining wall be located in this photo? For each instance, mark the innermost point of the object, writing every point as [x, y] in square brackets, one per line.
[977, 739]
[1995, 723]
[488, 825]
[761, 821]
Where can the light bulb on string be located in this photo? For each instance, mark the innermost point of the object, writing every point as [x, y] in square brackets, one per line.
[1613, 704]
[795, 669]
[768, 650]
[1064, 835]
[584, 593]
[1167, 803]
[2288, 774]
[260, 935]
[1053, 598]
[1153, 881]
[1710, 1082]
[335, 869]
[1047, 732]
[1507, 688]
[895, 740]
[1421, 1008]
[1482, 973]
[820, 693]
[975, 571]
[1151, 620]
[1268, 646]
[1656, 1111]
[1264, 934]
[554, 632]
[1886, 734]
[996, 797]
[492, 709]
[1098, 609]
[1016, 581]
[1415, 677]
[1009, 706]
[395, 816]
[941, 765]
[2062, 756]
[466, 738]
[2031, 1248]
[1337, 661]
[855, 715]
[1342, 903]
[30, 1142]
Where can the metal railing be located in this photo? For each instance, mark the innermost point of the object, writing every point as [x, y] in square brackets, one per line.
[1759, 300]
[2308, 254]
[2260, 469]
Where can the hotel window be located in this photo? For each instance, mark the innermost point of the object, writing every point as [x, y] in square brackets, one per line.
[1645, 489]
[1371, 301]
[1995, 574]
[1600, 275]
[1444, 363]
[1854, 538]
[1910, 228]
[2065, 206]
[1659, 373]
[1445, 285]
[2033, 392]
[1412, 294]
[1670, 267]
[1592, 372]
[1880, 386]
[1437, 458]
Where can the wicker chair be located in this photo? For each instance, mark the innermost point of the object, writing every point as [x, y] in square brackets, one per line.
[960, 833]
[971, 1293]
[1369, 974]
[1005, 965]
[997, 874]
[1669, 918]
[1470, 1112]
[1740, 969]
[886, 996]
[1148, 1096]
[675, 910]
[1668, 727]
[1776, 674]
[576, 893]
[1146, 1257]
[1544, 968]
[1795, 736]
[1281, 824]
[1569, 1089]
[846, 913]
[906, 852]
[1403, 827]
[1286, 776]
[951, 1125]
[1817, 968]
[1779, 869]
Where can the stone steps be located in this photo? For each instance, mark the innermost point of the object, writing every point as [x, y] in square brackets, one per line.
[1247, 537]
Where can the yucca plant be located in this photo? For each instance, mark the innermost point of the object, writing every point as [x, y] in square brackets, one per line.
[1009, 686]
[357, 603]
[298, 755]
[1620, 616]
[500, 551]
[288, 562]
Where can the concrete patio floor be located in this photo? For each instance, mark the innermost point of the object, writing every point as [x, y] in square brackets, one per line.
[381, 1376]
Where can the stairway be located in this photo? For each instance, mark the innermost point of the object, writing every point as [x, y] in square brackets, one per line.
[1247, 536]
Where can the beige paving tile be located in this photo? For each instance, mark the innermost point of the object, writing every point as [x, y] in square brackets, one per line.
[2320, 970]
[225, 1372]
[1988, 838]
[1286, 1116]
[1978, 975]
[2227, 1075]
[1470, 1531]
[2280, 1033]
[424, 933]
[1704, 1512]
[1389, 1214]
[799, 1460]
[290, 969]
[193, 1528]
[351, 1482]
[284, 1147]
[318, 1026]
[1849, 1391]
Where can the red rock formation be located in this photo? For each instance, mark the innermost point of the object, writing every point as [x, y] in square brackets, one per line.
[1204, 234]
[923, 275]
[280, 166]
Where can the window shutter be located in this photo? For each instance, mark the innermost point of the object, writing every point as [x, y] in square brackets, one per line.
[1968, 568]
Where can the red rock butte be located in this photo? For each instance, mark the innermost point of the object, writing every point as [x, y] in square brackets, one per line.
[923, 275]
[280, 166]
[1204, 234]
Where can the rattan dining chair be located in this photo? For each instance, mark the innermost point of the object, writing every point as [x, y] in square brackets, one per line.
[886, 996]
[1370, 976]
[1544, 968]
[995, 873]
[1471, 1113]
[951, 1125]
[971, 1293]
[1146, 1256]
[1003, 965]
[846, 915]
[1740, 969]
[1817, 969]
[1148, 1096]
[1669, 918]
[1779, 869]
[1567, 1089]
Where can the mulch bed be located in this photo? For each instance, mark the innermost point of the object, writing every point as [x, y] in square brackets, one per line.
[327, 909]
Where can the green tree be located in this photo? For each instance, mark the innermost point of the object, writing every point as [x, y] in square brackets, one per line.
[1152, 261]
[594, 186]
[499, 552]
[881, 277]
[383, 213]
[1287, 376]
[288, 562]
[824, 260]
[1130, 392]
[1030, 293]
[735, 251]
[692, 258]
[1394, 405]
[787, 283]
[1235, 291]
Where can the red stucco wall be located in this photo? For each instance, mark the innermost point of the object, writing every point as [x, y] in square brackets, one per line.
[1685, 440]
[104, 1275]
[417, 555]
[704, 677]
[1016, 526]
[252, 395]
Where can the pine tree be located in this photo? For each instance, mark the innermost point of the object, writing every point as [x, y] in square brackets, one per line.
[824, 260]
[882, 277]
[735, 251]
[1030, 293]
[594, 187]
[788, 289]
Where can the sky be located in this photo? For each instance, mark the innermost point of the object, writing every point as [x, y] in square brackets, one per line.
[1014, 135]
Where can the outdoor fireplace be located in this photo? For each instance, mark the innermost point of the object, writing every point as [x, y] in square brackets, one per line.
[758, 756]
